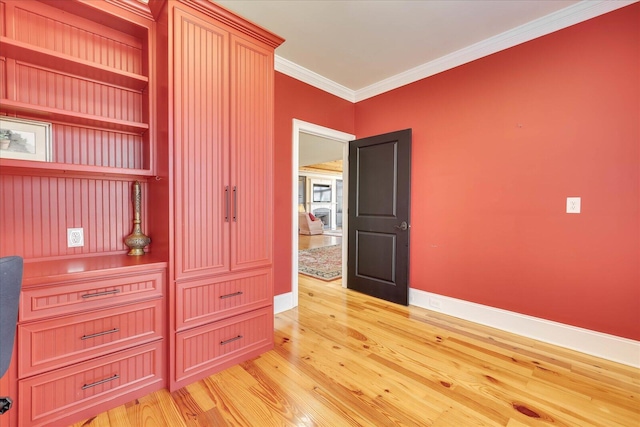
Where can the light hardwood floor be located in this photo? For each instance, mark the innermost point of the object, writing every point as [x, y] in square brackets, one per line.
[317, 241]
[345, 359]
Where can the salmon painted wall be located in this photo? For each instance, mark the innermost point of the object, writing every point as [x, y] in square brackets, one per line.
[297, 100]
[498, 146]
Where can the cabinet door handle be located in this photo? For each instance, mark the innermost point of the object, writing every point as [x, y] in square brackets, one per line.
[235, 204]
[99, 294]
[226, 203]
[235, 294]
[99, 334]
[106, 380]
[239, 337]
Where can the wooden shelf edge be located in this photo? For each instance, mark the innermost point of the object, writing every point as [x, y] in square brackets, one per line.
[68, 64]
[27, 167]
[84, 267]
[39, 112]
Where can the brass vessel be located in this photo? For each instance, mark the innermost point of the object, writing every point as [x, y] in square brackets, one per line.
[137, 240]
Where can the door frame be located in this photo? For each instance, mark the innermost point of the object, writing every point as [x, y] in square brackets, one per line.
[300, 126]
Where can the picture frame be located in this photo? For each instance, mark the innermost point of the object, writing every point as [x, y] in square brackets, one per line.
[23, 139]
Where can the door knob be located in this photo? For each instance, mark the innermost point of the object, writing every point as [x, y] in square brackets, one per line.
[403, 226]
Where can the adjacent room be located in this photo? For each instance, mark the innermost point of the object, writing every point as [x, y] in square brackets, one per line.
[320, 207]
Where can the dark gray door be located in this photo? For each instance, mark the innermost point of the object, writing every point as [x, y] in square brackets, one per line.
[379, 195]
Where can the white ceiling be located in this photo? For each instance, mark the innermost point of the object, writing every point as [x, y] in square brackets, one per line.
[359, 48]
[315, 149]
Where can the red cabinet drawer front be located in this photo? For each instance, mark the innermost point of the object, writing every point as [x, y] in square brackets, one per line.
[203, 301]
[58, 342]
[68, 393]
[36, 303]
[202, 349]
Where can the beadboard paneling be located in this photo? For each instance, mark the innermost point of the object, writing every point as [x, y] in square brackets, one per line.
[49, 397]
[201, 155]
[37, 211]
[2, 18]
[205, 348]
[48, 88]
[252, 153]
[3, 76]
[94, 147]
[75, 36]
[70, 298]
[71, 339]
[202, 301]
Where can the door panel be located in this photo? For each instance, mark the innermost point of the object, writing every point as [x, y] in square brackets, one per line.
[379, 199]
[201, 135]
[251, 154]
[377, 173]
[378, 246]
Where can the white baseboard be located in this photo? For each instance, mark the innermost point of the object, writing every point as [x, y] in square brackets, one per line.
[610, 347]
[282, 302]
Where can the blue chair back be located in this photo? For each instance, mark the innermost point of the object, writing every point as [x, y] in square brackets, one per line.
[10, 284]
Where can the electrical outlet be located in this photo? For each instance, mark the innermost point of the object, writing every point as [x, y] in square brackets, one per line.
[75, 237]
[573, 205]
[435, 303]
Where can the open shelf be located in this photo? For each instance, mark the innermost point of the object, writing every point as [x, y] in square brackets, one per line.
[71, 117]
[8, 166]
[58, 61]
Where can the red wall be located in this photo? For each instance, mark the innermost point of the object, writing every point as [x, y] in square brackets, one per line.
[498, 145]
[297, 100]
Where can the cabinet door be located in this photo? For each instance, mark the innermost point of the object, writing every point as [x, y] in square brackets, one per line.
[201, 135]
[251, 153]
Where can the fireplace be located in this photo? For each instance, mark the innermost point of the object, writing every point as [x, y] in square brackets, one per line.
[324, 215]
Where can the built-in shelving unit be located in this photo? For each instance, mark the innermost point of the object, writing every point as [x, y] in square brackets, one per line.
[25, 52]
[79, 74]
[87, 68]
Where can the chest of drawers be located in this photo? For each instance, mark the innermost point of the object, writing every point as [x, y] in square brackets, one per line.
[90, 340]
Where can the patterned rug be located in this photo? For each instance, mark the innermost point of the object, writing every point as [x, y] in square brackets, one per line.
[322, 263]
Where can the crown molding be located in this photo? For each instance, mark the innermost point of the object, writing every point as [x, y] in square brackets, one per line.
[564, 18]
[305, 75]
[574, 14]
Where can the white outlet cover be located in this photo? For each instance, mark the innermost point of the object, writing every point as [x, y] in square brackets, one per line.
[75, 237]
[573, 205]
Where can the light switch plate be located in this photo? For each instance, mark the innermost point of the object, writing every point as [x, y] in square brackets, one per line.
[75, 237]
[573, 205]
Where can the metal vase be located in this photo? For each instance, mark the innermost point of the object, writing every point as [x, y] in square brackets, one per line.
[137, 240]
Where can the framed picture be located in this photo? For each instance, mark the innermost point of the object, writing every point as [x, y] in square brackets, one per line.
[23, 139]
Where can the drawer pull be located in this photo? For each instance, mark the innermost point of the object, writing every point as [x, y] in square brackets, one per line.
[99, 294]
[106, 380]
[239, 337]
[111, 331]
[235, 294]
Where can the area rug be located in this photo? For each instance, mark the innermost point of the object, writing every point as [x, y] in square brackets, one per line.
[322, 263]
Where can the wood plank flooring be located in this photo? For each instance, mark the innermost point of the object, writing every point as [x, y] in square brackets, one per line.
[317, 241]
[346, 359]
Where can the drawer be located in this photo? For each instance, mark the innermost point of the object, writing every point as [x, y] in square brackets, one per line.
[207, 349]
[62, 299]
[203, 301]
[67, 395]
[54, 343]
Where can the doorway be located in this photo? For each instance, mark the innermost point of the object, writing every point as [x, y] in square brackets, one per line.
[301, 127]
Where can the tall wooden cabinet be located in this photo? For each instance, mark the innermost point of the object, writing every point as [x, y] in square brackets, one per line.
[220, 139]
